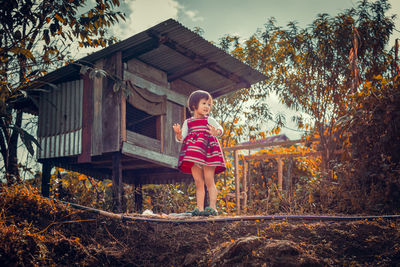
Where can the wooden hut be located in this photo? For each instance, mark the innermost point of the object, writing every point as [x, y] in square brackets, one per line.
[85, 125]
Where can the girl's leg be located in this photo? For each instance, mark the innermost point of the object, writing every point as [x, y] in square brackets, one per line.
[198, 177]
[210, 183]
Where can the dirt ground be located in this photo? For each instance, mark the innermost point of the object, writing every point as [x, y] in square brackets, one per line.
[44, 233]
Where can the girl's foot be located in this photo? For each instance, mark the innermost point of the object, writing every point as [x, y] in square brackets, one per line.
[195, 212]
[209, 212]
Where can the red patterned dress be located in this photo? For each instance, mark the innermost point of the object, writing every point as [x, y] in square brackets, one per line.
[200, 147]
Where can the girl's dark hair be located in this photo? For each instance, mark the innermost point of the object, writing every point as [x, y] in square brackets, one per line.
[195, 97]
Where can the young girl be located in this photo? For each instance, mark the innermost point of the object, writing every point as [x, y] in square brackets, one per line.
[201, 154]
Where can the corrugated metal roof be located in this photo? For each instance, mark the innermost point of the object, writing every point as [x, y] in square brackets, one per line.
[148, 46]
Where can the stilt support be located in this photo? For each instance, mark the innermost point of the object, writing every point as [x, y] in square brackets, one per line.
[46, 172]
[117, 187]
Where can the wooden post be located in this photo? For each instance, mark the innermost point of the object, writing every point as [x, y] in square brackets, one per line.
[117, 181]
[249, 197]
[245, 165]
[46, 172]
[280, 170]
[138, 198]
[237, 181]
[289, 175]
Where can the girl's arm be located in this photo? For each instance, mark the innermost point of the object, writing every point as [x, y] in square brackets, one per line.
[211, 121]
[184, 132]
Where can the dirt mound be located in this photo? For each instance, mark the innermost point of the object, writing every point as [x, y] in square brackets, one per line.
[258, 251]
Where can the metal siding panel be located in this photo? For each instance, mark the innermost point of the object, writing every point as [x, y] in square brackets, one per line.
[68, 144]
[69, 140]
[69, 119]
[64, 108]
[79, 149]
[76, 104]
[62, 120]
[58, 109]
[53, 104]
[51, 146]
[57, 146]
[40, 117]
[80, 102]
[62, 145]
[71, 143]
[39, 153]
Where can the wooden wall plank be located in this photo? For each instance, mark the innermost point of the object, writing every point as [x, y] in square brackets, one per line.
[147, 72]
[97, 134]
[154, 88]
[174, 115]
[123, 118]
[111, 107]
[143, 141]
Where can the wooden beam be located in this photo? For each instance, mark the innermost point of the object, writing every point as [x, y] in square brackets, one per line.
[148, 155]
[257, 145]
[165, 40]
[285, 155]
[140, 49]
[143, 141]
[227, 89]
[186, 71]
[154, 88]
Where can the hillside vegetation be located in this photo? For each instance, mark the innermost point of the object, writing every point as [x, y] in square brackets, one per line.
[35, 231]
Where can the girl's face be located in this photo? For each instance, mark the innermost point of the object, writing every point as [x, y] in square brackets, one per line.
[203, 108]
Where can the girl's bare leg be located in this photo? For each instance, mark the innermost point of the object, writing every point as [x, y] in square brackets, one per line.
[210, 183]
[198, 176]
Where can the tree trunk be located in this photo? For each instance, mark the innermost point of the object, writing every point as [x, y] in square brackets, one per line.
[11, 160]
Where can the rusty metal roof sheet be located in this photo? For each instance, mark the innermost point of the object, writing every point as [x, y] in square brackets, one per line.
[171, 47]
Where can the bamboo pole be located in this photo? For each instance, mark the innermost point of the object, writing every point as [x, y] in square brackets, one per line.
[280, 173]
[237, 181]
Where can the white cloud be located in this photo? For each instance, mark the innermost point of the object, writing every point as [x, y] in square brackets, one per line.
[192, 14]
[143, 14]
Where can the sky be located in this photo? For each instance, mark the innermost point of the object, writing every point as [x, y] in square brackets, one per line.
[235, 17]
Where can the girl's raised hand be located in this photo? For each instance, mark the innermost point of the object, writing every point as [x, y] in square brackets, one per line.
[213, 131]
[178, 131]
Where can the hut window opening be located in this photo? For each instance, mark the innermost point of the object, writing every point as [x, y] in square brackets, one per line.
[141, 122]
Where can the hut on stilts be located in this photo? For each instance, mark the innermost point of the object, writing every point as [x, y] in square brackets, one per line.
[88, 125]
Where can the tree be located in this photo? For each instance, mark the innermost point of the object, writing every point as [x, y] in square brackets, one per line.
[309, 68]
[35, 36]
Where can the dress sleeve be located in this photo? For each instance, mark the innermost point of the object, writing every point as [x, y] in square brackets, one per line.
[184, 132]
[214, 123]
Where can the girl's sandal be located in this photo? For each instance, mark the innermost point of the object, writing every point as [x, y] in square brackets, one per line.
[210, 212]
[194, 212]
